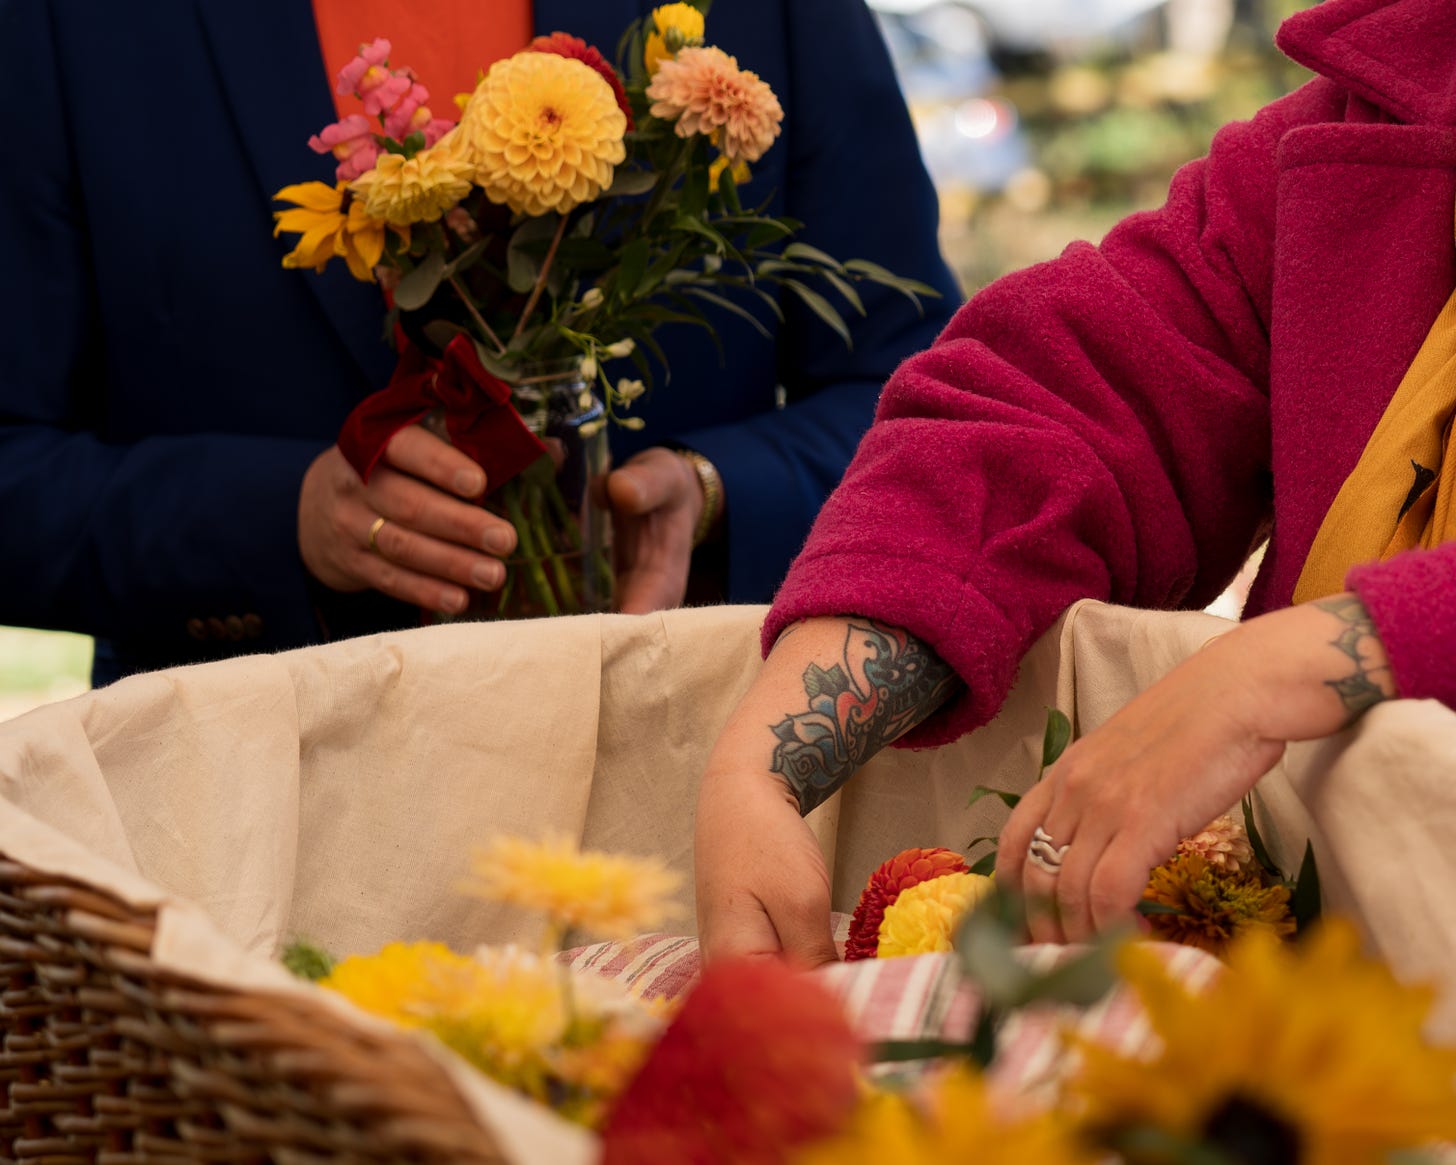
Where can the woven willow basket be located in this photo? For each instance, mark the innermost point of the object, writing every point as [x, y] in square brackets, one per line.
[109, 1058]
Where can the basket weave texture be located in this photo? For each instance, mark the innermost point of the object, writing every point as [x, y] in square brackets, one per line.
[108, 1057]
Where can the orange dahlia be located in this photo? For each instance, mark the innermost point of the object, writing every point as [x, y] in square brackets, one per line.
[759, 1060]
[704, 91]
[908, 868]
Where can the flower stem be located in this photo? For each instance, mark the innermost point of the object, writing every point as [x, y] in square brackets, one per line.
[531, 557]
[540, 279]
[564, 589]
[476, 316]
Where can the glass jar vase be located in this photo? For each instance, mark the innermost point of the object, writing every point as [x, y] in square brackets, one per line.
[562, 564]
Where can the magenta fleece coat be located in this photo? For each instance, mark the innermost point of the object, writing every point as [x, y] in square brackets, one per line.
[1129, 421]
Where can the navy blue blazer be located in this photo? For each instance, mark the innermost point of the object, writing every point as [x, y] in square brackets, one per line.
[164, 382]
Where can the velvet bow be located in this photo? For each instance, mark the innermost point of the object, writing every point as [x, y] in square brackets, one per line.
[479, 416]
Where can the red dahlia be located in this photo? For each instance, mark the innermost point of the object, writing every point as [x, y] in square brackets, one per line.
[758, 1060]
[908, 868]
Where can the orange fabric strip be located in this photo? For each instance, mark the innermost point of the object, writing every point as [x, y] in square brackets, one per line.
[445, 42]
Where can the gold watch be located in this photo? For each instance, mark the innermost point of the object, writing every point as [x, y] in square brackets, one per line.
[712, 483]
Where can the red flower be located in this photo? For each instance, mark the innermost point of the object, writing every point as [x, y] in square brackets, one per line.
[908, 868]
[758, 1060]
[563, 44]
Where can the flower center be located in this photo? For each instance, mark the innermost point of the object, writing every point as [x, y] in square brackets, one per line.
[549, 118]
[1246, 1131]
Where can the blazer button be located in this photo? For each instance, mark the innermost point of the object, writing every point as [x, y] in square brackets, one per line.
[252, 625]
[234, 627]
[196, 629]
[216, 629]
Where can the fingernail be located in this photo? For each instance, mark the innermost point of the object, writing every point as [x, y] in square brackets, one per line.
[469, 482]
[452, 602]
[487, 575]
[498, 541]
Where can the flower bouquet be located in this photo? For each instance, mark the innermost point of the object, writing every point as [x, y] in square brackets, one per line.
[530, 248]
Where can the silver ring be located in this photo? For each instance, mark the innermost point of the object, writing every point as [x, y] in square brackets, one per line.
[1045, 854]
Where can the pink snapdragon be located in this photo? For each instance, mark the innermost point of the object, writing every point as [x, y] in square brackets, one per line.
[371, 56]
[351, 142]
[411, 115]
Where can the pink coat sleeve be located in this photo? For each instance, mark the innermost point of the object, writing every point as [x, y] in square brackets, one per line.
[1096, 426]
[1412, 599]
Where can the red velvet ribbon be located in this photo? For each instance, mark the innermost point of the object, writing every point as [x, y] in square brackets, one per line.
[479, 416]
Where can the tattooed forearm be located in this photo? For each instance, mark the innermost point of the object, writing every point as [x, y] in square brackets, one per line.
[1366, 685]
[886, 683]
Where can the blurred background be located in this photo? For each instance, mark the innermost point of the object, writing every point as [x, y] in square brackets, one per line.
[1041, 121]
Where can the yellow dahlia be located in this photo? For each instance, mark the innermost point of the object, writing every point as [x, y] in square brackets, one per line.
[705, 92]
[542, 133]
[403, 190]
[678, 26]
[1213, 907]
[1313, 1043]
[408, 983]
[605, 893]
[332, 224]
[924, 917]
[959, 1124]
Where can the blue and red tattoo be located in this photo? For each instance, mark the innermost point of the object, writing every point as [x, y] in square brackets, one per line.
[886, 683]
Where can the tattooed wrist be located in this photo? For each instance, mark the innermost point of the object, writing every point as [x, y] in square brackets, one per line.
[1367, 683]
[886, 682]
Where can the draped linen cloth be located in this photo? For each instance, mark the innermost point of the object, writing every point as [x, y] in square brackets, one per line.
[335, 793]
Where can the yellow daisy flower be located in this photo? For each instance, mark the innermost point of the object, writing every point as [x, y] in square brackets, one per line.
[607, 894]
[403, 190]
[331, 223]
[543, 133]
[960, 1124]
[678, 25]
[1213, 906]
[924, 917]
[408, 983]
[1313, 1042]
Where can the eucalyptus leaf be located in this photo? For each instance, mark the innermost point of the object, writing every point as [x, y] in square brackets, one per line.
[986, 944]
[822, 308]
[813, 254]
[631, 267]
[417, 287]
[1080, 981]
[526, 251]
[729, 306]
[466, 257]
[630, 183]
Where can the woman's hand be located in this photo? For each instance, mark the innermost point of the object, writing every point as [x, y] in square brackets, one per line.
[762, 886]
[1184, 751]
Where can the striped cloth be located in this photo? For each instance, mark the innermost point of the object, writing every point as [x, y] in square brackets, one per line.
[926, 997]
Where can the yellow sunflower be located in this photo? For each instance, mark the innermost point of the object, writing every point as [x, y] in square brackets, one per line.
[543, 133]
[331, 223]
[607, 894]
[925, 916]
[958, 1123]
[678, 26]
[401, 190]
[1313, 1044]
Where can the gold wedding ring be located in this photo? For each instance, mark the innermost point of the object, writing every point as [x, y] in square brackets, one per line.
[373, 533]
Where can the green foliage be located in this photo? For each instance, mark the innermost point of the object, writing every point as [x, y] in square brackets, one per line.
[669, 240]
[307, 961]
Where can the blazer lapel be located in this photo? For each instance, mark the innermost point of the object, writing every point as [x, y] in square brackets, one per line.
[267, 56]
